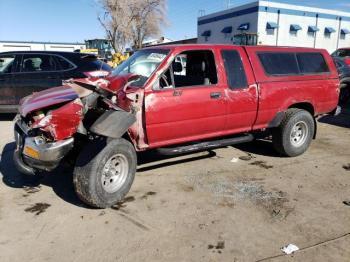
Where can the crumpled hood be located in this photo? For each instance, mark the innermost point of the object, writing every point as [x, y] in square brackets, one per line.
[45, 98]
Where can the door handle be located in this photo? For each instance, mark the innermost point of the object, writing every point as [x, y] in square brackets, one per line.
[177, 93]
[215, 95]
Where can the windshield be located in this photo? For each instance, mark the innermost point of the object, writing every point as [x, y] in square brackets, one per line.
[6, 63]
[342, 53]
[143, 63]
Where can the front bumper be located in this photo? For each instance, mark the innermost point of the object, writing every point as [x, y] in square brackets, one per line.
[31, 154]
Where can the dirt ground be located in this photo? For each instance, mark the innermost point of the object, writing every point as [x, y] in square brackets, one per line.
[239, 203]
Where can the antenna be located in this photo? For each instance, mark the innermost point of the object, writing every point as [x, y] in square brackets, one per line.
[226, 4]
[201, 12]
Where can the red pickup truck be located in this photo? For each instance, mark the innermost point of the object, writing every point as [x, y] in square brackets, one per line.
[177, 99]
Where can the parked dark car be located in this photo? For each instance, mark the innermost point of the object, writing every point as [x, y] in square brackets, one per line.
[342, 53]
[25, 72]
[344, 76]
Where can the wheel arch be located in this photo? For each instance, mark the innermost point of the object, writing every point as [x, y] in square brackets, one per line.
[307, 106]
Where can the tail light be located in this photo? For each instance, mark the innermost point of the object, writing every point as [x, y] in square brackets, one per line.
[97, 73]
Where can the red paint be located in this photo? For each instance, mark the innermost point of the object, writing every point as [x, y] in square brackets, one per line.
[347, 61]
[49, 97]
[118, 82]
[174, 116]
[64, 121]
[172, 119]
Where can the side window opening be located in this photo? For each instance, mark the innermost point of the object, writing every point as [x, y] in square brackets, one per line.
[312, 63]
[234, 68]
[63, 63]
[38, 63]
[279, 63]
[293, 63]
[191, 68]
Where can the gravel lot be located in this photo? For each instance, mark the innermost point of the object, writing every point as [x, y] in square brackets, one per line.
[239, 203]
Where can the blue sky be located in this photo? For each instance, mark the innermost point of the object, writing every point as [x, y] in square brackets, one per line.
[75, 20]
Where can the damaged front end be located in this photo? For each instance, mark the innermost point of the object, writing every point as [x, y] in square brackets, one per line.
[53, 122]
[45, 128]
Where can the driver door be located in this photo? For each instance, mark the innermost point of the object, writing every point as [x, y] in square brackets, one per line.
[188, 103]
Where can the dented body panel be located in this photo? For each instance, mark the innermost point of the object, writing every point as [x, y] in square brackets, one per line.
[154, 117]
[46, 98]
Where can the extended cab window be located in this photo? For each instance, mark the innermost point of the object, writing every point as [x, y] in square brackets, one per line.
[234, 69]
[190, 68]
[279, 63]
[6, 63]
[293, 63]
[38, 63]
[312, 63]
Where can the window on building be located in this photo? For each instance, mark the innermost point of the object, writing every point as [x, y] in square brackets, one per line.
[279, 63]
[6, 63]
[38, 63]
[311, 34]
[328, 32]
[271, 27]
[293, 33]
[312, 63]
[293, 29]
[235, 73]
[270, 31]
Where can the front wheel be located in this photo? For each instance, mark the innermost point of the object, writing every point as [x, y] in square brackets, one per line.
[293, 137]
[106, 178]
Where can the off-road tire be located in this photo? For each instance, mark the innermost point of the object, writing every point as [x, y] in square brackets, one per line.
[281, 136]
[87, 175]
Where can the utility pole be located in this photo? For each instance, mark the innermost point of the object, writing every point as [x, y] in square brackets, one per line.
[278, 26]
[201, 12]
[316, 31]
[339, 32]
[227, 4]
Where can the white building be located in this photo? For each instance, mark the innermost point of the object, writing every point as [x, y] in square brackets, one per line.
[277, 24]
[39, 46]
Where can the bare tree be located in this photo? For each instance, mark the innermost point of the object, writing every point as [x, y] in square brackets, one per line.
[115, 21]
[132, 21]
[149, 16]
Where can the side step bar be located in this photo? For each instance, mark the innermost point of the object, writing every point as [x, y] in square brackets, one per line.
[201, 146]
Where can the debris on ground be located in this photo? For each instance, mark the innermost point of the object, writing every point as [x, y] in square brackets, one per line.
[234, 160]
[347, 203]
[121, 204]
[150, 193]
[248, 157]
[262, 164]
[347, 167]
[289, 249]
[38, 208]
[32, 189]
[219, 245]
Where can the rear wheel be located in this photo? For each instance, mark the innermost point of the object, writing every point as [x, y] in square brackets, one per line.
[106, 178]
[293, 137]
